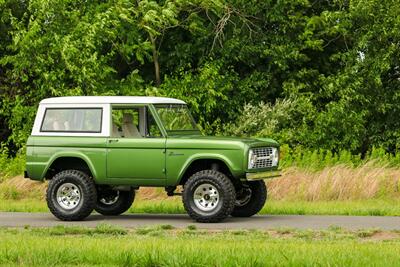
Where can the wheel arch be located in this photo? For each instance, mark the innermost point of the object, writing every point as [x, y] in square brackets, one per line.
[203, 162]
[63, 161]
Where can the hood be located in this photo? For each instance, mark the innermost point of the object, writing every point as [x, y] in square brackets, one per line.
[250, 142]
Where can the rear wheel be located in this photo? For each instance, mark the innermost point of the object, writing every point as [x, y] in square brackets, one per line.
[71, 195]
[114, 202]
[208, 196]
[250, 199]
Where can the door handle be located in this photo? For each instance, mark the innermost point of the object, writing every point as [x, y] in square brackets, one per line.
[112, 140]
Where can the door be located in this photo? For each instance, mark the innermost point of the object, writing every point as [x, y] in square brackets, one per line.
[136, 148]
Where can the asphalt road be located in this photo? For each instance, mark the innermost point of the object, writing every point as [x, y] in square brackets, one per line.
[19, 219]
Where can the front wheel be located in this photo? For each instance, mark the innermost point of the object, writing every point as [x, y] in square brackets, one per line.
[250, 199]
[114, 202]
[208, 196]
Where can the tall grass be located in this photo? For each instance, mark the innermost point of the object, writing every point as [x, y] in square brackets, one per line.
[339, 182]
[336, 183]
[312, 182]
[17, 187]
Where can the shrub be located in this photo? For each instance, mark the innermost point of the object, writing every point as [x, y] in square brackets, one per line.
[9, 166]
[284, 121]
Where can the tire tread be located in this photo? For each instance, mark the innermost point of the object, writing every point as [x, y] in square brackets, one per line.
[229, 195]
[89, 200]
[256, 203]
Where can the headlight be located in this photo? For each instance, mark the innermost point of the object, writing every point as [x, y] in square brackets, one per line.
[252, 159]
[275, 157]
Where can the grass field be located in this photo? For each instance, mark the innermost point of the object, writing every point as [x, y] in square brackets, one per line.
[165, 246]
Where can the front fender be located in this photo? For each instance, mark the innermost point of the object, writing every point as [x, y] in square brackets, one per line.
[234, 167]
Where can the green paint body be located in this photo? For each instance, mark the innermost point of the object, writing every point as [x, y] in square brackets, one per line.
[142, 161]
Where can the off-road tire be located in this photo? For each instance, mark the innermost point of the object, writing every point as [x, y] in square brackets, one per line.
[123, 203]
[256, 202]
[226, 192]
[88, 195]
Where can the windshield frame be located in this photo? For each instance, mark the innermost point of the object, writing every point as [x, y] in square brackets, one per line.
[194, 131]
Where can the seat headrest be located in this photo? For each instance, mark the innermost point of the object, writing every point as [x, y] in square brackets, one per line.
[127, 118]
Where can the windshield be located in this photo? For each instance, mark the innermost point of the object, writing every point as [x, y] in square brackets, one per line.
[176, 117]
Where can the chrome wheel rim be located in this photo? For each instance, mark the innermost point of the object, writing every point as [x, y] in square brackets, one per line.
[244, 198]
[206, 197]
[110, 200]
[68, 196]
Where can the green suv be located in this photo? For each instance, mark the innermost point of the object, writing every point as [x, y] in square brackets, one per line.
[97, 150]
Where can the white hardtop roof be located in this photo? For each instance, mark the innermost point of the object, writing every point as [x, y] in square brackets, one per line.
[111, 100]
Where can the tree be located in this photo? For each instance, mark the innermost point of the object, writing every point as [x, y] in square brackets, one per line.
[335, 62]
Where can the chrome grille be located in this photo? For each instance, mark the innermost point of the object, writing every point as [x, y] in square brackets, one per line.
[264, 157]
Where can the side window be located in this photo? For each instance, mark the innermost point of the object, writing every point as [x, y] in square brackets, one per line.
[125, 122]
[134, 122]
[152, 128]
[85, 120]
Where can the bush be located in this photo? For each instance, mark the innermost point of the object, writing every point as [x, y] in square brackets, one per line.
[289, 121]
[286, 121]
[9, 166]
[305, 158]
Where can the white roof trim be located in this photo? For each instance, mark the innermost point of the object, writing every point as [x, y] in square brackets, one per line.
[111, 100]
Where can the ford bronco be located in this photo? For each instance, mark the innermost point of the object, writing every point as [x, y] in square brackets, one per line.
[97, 150]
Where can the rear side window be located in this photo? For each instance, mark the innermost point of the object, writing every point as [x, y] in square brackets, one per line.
[84, 120]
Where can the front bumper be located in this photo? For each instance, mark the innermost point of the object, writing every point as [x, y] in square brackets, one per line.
[250, 176]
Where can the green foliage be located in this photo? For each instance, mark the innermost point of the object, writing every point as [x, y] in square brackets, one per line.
[321, 75]
[9, 166]
[283, 121]
[318, 159]
[206, 91]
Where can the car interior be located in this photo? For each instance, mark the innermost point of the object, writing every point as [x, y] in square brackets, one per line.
[133, 122]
